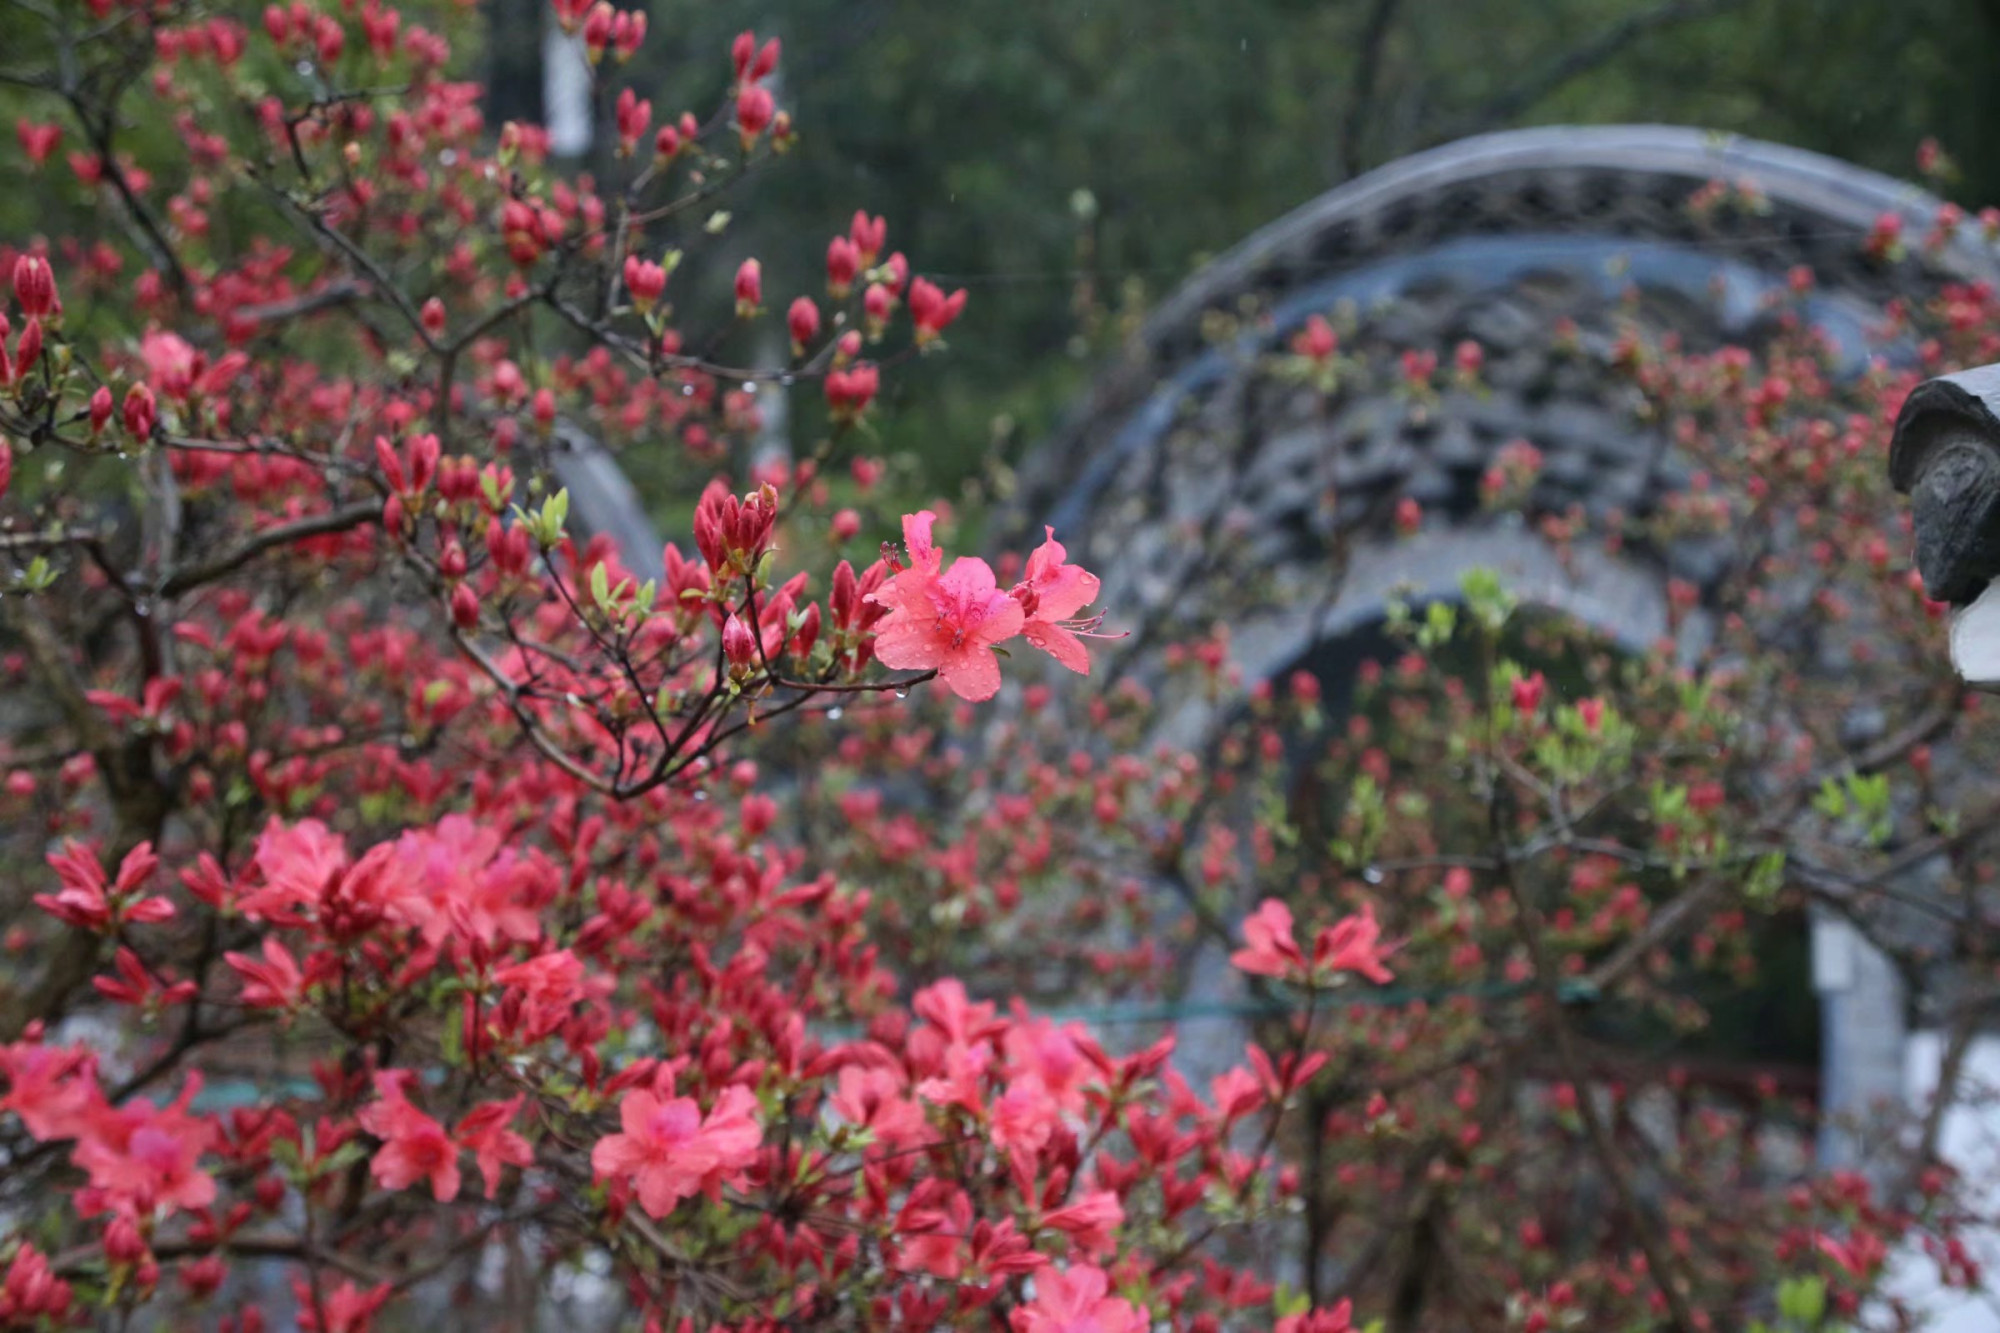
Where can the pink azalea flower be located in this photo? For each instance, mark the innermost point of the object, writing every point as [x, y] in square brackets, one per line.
[50, 1087]
[1353, 944]
[670, 1151]
[1092, 1221]
[1076, 1302]
[275, 983]
[1339, 1319]
[1024, 1116]
[873, 1099]
[1270, 950]
[141, 1157]
[484, 1133]
[88, 902]
[949, 622]
[414, 1146]
[296, 864]
[348, 1309]
[1051, 595]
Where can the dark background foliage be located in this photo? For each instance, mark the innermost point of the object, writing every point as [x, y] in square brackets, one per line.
[1070, 162]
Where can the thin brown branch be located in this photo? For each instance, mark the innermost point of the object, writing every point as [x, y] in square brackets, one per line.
[333, 521]
[1601, 48]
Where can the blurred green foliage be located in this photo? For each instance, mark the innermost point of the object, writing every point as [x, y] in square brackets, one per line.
[1070, 162]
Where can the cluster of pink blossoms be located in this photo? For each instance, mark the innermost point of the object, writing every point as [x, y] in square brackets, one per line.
[950, 620]
[1352, 944]
[141, 1158]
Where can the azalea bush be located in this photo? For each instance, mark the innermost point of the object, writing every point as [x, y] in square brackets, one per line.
[422, 909]
[403, 915]
[1529, 908]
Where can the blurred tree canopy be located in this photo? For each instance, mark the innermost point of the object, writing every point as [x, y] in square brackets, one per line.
[1069, 162]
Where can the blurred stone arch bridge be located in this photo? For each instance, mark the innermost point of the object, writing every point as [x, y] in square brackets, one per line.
[1203, 488]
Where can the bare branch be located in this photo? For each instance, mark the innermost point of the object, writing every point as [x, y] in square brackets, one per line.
[318, 525]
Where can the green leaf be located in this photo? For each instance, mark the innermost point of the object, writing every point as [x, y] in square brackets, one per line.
[1486, 598]
[1803, 1300]
[1766, 877]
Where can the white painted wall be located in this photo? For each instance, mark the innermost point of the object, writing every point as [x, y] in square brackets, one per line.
[565, 92]
[1970, 1141]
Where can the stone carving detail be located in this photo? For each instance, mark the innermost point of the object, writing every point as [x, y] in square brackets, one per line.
[1946, 457]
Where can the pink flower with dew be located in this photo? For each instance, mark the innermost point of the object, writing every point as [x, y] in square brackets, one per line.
[945, 622]
[1050, 596]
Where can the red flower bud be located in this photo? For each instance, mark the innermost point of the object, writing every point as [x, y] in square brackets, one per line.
[931, 310]
[1527, 693]
[848, 392]
[1317, 340]
[843, 265]
[896, 273]
[634, 117]
[122, 1242]
[432, 316]
[807, 633]
[141, 412]
[464, 606]
[37, 141]
[739, 645]
[749, 288]
[597, 31]
[803, 321]
[876, 305]
[29, 350]
[628, 30]
[35, 286]
[869, 236]
[754, 108]
[752, 64]
[646, 281]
